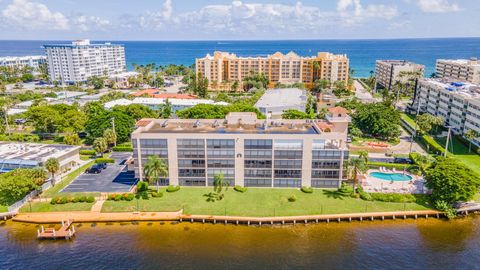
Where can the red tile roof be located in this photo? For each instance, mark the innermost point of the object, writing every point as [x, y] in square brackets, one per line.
[338, 110]
[155, 93]
[143, 122]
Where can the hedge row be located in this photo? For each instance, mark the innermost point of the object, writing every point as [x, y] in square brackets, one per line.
[65, 200]
[240, 189]
[386, 197]
[307, 190]
[122, 148]
[432, 146]
[121, 197]
[104, 160]
[387, 165]
[87, 152]
[173, 188]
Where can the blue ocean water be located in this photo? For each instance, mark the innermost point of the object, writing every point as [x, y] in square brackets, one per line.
[362, 53]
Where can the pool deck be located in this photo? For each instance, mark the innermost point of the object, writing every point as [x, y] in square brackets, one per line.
[375, 185]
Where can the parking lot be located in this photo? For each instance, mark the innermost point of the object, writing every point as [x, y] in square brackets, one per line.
[114, 179]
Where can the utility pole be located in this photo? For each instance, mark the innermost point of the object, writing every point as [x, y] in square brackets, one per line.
[113, 127]
[448, 139]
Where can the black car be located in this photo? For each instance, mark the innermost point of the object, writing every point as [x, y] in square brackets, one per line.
[95, 169]
[402, 161]
[102, 165]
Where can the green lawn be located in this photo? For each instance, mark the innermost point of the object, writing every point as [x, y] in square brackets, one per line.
[55, 191]
[257, 202]
[3, 208]
[410, 121]
[47, 207]
[460, 152]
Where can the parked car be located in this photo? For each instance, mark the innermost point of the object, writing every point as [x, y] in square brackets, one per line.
[402, 161]
[20, 121]
[95, 169]
[102, 165]
[349, 139]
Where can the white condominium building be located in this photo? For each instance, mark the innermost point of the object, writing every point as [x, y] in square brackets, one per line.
[460, 70]
[248, 151]
[456, 102]
[81, 60]
[33, 61]
[223, 68]
[387, 72]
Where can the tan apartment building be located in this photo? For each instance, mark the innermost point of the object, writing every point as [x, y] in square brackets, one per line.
[248, 151]
[457, 103]
[460, 69]
[387, 72]
[223, 68]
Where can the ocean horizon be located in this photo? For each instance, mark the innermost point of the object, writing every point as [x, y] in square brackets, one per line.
[362, 52]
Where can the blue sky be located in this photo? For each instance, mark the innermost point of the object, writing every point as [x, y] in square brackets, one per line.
[235, 19]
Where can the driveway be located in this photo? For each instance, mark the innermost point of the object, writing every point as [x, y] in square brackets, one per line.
[114, 179]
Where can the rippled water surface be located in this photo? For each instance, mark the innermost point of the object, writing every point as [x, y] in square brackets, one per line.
[421, 244]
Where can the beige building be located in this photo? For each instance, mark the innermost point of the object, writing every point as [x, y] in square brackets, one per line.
[248, 151]
[461, 70]
[223, 68]
[457, 103]
[387, 72]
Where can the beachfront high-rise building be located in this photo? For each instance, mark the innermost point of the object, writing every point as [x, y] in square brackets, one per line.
[223, 69]
[387, 72]
[460, 70]
[457, 103]
[81, 60]
[248, 151]
[33, 61]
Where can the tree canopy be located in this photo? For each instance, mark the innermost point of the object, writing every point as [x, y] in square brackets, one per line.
[294, 114]
[101, 120]
[378, 120]
[18, 183]
[208, 111]
[451, 181]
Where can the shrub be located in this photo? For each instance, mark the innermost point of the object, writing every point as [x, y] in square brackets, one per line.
[104, 160]
[346, 189]
[90, 199]
[364, 195]
[111, 197]
[446, 208]
[118, 197]
[64, 200]
[130, 197]
[157, 194]
[240, 189]
[53, 201]
[76, 200]
[142, 186]
[171, 188]
[307, 190]
[82, 199]
[122, 148]
[87, 152]
[292, 198]
[393, 197]
[431, 145]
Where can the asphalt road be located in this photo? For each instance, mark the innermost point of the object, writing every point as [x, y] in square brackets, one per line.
[114, 179]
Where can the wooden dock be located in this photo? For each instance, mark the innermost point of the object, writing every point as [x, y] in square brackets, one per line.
[65, 232]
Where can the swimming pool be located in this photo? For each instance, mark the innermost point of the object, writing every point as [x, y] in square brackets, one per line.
[391, 176]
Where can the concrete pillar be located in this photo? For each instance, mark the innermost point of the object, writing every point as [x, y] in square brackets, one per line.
[307, 163]
[239, 162]
[172, 161]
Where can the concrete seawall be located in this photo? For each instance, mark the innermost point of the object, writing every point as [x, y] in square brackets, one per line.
[79, 217]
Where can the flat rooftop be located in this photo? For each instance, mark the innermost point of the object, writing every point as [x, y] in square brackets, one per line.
[283, 97]
[32, 151]
[240, 123]
[465, 89]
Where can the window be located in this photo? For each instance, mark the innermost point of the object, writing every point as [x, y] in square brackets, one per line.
[258, 182]
[287, 183]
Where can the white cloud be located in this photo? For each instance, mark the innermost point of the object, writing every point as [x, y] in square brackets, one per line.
[33, 15]
[437, 6]
[353, 12]
[86, 23]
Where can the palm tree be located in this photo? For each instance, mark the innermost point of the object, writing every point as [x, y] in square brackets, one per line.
[100, 145]
[52, 166]
[471, 135]
[218, 184]
[363, 155]
[154, 169]
[356, 166]
[110, 136]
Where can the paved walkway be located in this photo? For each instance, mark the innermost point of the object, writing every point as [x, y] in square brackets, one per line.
[362, 93]
[97, 207]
